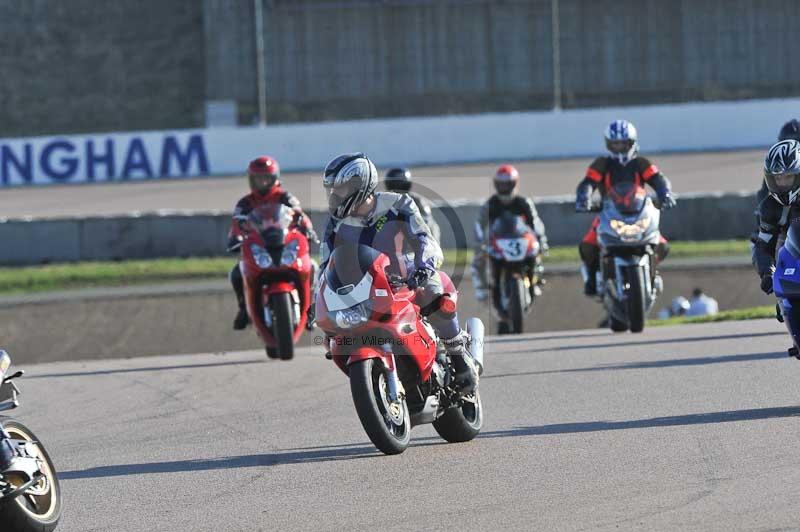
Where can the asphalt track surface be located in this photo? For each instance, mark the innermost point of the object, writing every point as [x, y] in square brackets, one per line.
[730, 171]
[678, 428]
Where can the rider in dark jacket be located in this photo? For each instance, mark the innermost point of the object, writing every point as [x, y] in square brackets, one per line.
[621, 165]
[392, 224]
[399, 180]
[779, 208]
[505, 199]
[789, 131]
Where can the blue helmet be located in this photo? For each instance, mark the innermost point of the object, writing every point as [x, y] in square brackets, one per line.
[622, 141]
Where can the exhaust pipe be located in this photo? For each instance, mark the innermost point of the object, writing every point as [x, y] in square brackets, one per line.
[475, 330]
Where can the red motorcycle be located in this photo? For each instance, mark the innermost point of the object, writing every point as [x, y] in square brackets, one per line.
[277, 272]
[400, 374]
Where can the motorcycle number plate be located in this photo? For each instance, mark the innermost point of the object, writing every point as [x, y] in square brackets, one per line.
[513, 248]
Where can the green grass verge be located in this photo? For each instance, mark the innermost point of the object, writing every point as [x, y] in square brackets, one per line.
[89, 274]
[92, 274]
[754, 313]
[678, 250]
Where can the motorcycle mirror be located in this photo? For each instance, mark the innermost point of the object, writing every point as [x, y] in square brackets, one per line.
[16, 375]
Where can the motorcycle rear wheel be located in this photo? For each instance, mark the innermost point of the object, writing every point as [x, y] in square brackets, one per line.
[283, 328]
[461, 424]
[388, 425]
[39, 509]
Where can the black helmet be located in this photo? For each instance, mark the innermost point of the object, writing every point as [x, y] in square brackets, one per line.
[782, 171]
[349, 180]
[790, 130]
[398, 180]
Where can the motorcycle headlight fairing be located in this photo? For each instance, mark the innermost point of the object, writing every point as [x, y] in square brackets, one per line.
[289, 254]
[634, 230]
[261, 256]
[350, 317]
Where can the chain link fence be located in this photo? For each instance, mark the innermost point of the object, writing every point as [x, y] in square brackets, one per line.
[333, 59]
[79, 65]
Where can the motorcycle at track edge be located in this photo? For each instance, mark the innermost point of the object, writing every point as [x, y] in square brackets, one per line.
[30, 495]
[400, 374]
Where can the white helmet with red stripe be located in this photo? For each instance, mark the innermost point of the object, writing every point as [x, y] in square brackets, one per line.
[506, 180]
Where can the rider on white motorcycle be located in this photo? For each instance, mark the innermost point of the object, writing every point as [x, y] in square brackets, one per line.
[392, 224]
[622, 165]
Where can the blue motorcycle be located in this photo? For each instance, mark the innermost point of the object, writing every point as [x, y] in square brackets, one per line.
[786, 283]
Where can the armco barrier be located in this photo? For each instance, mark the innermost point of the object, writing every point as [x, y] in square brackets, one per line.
[172, 234]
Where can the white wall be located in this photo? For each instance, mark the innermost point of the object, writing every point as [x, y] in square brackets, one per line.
[408, 141]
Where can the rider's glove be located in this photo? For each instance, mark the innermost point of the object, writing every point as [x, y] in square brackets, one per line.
[583, 199]
[420, 277]
[582, 204]
[666, 199]
[766, 281]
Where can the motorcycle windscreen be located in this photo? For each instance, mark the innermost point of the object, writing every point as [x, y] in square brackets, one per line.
[347, 276]
[628, 198]
[509, 225]
[792, 243]
[786, 279]
[271, 221]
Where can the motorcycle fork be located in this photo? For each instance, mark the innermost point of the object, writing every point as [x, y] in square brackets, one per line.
[622, 282]
[392, 380]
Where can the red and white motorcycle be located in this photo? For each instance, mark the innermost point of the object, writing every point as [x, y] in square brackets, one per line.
[400, 374]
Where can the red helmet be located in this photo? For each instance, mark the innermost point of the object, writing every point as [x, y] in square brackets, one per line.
[506, 179]
[263, 173]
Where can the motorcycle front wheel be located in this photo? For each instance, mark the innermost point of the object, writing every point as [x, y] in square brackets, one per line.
[283, 328]
[636, 300]
[388, 424]
[516, 303]
[39, 508]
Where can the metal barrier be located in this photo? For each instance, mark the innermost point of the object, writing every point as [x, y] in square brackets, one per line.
[31, 241]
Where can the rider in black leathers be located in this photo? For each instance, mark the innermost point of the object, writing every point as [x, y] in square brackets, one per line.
[778, 208]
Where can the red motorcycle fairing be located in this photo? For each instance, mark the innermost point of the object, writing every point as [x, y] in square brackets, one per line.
[261, 283]
[394, 321]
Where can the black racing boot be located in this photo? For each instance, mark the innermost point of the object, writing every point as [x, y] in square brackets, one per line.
[466, 377]
[589, 281]
[312, 317]
[241, 320]
[6, 454]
